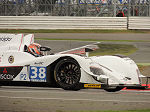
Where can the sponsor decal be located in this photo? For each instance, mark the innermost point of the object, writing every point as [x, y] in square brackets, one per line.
[5, 71]
[37, 74]
[11, 59]
[92, 85]
[5, 75]
[9, 73]
[5, 39]
[23, 76]
[38, 63]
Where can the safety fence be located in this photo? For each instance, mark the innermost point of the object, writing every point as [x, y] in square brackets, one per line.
[66, 22]
[88, 8]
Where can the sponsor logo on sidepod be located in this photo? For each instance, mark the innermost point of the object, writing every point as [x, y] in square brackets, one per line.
[4, 39]
[6, 76]
[9, 73]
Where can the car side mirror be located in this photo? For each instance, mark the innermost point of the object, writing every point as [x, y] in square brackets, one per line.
[45, 49]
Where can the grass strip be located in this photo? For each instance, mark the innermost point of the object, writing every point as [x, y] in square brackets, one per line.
[70, 31]
[143, 64]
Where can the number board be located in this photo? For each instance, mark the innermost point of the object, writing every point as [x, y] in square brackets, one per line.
[37, 74]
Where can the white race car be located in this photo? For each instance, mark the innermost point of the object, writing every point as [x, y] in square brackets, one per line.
[22, 60]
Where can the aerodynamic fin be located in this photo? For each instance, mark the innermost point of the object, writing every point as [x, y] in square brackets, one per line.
[81, 50]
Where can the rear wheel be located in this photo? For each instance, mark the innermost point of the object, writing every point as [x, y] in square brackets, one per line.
[114, 89]
[67, 74]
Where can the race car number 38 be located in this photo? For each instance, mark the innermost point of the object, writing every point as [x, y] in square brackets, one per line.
[37, 74]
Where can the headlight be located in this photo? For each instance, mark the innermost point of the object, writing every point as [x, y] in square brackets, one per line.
[96, 70]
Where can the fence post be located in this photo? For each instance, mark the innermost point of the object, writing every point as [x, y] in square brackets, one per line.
[67, 4]
[149, 7]
[114, 1]
[17, 7]
[128, 14]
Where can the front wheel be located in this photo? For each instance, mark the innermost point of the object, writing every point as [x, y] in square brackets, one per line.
[67, 74]
[114, 89]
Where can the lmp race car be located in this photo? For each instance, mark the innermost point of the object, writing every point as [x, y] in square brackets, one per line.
[22, 60]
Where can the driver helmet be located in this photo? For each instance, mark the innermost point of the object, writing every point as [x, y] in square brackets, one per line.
[34, 49]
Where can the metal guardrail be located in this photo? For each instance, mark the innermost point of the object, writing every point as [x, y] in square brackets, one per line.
[66, 22]
[139, 23]
[62, 22]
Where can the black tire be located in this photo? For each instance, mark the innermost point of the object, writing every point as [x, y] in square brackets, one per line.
[67, 74]
[114, 89]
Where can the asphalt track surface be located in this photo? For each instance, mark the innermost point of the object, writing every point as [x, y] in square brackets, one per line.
[100, 36]
[37, 99]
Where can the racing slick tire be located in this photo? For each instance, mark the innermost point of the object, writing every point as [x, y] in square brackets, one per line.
[67, 74]
[114, 89]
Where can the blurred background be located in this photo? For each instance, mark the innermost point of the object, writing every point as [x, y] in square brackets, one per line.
[90, 8]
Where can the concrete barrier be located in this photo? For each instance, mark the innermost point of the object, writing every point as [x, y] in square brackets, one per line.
[62, 22]
[139, 23]
[68, 22]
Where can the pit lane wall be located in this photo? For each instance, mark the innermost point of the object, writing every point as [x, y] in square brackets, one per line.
[67, 22]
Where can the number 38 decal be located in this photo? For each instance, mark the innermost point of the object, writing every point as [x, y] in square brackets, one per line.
[38, 74]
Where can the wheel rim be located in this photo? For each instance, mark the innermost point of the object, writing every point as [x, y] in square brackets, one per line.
[68, 73]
